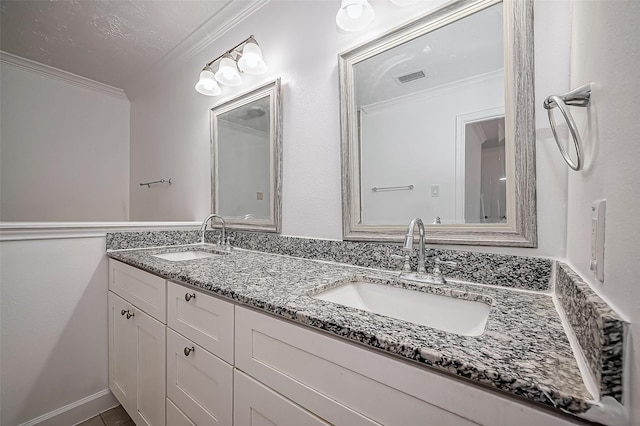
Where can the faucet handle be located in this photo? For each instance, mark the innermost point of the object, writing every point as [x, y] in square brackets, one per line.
[407, 265]
[437, 261]
[437, 273]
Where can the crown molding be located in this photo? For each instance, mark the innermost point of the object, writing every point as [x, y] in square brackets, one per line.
[51, 72]
[213, 29]
[232, 14]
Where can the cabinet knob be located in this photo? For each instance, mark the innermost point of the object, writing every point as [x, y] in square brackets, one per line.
[122, 312]
[188, 296]
[130, 314]
[187, 351]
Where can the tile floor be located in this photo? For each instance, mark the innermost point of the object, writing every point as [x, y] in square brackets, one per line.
[113, 417]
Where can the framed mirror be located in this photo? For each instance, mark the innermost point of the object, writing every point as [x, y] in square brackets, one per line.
[246, 151]
[437, 122]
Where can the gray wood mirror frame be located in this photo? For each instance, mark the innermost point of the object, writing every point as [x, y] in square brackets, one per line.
[246, 158]
[386, 169]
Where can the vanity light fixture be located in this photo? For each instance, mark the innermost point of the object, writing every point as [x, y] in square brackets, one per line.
[354, 15]
[244, 57]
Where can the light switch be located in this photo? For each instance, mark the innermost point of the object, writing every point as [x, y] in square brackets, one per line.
[435, 190]
[260, 196]
[598, 211]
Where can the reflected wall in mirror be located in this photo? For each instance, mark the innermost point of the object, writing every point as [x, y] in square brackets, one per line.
[246, 148]
[437, 122]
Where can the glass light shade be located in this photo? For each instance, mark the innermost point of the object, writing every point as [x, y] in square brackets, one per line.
[228, 73]
[207, 83]
[354, 15]
[251, 60]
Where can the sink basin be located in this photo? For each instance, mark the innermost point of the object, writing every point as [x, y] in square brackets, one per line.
[178, 256]
[452, 314]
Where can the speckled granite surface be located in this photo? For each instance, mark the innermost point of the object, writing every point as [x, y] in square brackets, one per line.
[141, 239]
[600, 331]
[523, 350]
[509, 271]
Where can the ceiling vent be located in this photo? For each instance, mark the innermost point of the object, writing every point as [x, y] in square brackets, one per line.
[402, 79]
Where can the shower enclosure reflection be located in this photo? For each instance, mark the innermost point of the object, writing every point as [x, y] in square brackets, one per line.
[485, 179]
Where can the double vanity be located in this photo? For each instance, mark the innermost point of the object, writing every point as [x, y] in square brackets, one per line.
[249, 336]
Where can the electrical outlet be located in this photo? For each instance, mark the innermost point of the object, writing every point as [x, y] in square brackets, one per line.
[435, 190]
[598, 211]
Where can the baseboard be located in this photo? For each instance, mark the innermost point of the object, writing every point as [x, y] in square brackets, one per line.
[76, 412]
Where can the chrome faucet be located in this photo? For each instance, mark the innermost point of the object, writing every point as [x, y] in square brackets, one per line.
[203, 228]
[421, 275]
[408, 243]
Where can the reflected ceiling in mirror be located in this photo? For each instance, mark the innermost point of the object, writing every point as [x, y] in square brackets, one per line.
[428, 116]
[247, 157]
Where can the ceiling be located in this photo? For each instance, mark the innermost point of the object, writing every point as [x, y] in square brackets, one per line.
[111, 42]
[465, 48]
[255, 115]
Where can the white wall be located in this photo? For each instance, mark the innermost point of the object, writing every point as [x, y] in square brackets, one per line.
[243, 167]
[606, 52]
[412, 141]
[64, 146]
[54, 320]
[53, 325]
[170, 121]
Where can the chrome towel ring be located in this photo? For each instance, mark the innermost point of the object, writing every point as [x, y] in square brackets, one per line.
[580, 97]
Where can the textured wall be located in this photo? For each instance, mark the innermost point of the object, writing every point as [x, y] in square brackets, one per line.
[170, 121]
[65, 149]
[605, 50]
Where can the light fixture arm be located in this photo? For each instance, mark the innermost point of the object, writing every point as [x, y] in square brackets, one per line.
[233, 50]
[245, 56]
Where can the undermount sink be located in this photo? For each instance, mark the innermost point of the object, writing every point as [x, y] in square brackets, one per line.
[446, 313]
[178, 256]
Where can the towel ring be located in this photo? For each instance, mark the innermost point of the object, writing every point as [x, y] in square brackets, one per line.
[580, 97]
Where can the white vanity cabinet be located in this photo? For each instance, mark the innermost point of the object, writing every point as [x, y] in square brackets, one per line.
[216, 363]
[137, 344]
[199, 356]
[257, 405]
[345, 384]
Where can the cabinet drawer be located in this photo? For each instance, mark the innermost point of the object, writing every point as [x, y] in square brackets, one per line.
[257, 405]
[175, 417]
[200, 384]
[142, 289]
[334, 380]
[206, 320]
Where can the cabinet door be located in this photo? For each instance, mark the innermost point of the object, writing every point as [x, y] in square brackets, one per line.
[199, 383]
[122, 353]
[150, 342]
[204, 319]
[175, 417]
[257, 405]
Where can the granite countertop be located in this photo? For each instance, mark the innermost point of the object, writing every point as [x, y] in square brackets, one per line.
[524, 349]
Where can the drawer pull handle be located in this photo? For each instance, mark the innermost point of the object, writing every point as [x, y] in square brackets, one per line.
[130, 314]
[187, 351]
[122, 312]
[188, 296]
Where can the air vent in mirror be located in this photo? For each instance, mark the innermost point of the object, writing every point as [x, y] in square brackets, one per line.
[410, 77]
